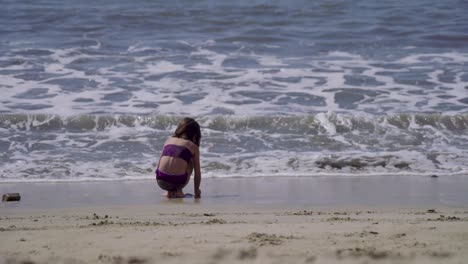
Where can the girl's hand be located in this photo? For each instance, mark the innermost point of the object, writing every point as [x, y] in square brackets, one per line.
[197, 193]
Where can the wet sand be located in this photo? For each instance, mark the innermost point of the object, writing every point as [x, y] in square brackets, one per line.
[265, 191]
[261, 220]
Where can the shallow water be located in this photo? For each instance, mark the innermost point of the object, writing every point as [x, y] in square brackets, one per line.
[89, 90]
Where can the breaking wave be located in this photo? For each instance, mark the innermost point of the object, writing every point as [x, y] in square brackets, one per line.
[120, 147]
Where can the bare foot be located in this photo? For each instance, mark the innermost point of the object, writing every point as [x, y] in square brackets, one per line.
[179, 194]
[176, 194]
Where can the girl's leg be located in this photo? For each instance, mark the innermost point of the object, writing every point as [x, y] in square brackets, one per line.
[180, 193]
[169, 187]
[172, 194]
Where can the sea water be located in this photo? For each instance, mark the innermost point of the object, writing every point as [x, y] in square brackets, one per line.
[89, 90]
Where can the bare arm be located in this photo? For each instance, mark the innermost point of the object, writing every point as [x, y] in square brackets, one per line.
[197, 178]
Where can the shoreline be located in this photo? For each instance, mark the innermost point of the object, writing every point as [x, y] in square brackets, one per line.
[236, 176]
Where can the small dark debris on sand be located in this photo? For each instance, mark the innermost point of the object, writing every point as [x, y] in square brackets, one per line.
[170, 254]
[361, 234]
[208, 214]
[139, 223]
[340, 213]
[445, 218]
[121, 260]
[136, 260]
[97, 217]
[362, 252]
[331, 219]
[104, 222]
[215, 221]
[263, 239]
[11, 197]
[304, 212]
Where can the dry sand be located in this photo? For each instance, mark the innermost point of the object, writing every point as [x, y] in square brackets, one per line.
[180, 233]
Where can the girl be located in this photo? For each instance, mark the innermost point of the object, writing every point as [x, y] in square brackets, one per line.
[179, 157]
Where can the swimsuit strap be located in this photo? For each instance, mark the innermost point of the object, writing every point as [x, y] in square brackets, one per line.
[177, 151]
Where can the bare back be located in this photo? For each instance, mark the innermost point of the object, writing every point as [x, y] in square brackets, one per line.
[176, 165]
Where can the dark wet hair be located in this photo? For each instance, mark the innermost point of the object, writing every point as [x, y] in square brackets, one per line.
[188, 129]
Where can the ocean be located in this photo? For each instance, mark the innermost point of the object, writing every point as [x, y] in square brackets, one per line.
[90, 90]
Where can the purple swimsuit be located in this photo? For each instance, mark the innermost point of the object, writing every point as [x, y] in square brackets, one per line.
[178, 152]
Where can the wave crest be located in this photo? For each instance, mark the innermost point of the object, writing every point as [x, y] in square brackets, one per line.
[331, 123]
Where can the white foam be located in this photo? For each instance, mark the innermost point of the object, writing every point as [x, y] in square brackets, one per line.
[323, 76]
[163, 67]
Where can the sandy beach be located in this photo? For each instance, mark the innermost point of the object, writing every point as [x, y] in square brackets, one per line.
[87, 223]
